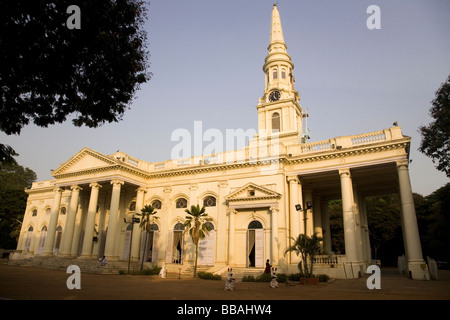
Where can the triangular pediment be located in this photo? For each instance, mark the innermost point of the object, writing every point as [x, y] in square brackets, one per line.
[86, 159]
[250, 192]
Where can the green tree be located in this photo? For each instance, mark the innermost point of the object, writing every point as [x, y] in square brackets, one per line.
[147, 219]
[433, 217]
[14, 178]
[196, 226]
[383, 215]
[49, 72]
[308, 247]
[436, 136]
[336, 226]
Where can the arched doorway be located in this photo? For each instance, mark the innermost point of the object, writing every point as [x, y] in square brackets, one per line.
[255, 245]
[174, 251]
[206, 247]
[42, 238]
[28, 239]
[127, 242]
[151, 248]
[57, 240]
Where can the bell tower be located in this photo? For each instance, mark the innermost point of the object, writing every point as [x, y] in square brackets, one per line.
[279, 110]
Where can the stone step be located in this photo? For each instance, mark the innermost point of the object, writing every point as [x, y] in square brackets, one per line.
[85, 265]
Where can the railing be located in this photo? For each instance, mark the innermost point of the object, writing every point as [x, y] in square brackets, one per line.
[328, 260]
[351, 141]
[369, 138]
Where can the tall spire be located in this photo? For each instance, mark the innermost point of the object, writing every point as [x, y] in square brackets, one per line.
[278, 65]
[276, 32]
[279, 110]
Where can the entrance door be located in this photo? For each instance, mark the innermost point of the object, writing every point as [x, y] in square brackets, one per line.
[255, 245]
[206, 248]
[127, 242]
[42, 238]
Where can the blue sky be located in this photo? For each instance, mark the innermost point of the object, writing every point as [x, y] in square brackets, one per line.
[207, 57]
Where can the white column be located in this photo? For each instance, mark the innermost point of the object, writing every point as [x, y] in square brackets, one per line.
[137, 231]
[221, 224]
[231, 214]
[113, 216]
[49, 241]
[275, 241]
[294, 216]
[86, 250]
[348, 215]
[416, 264]
[317, 217]
[326, 226]
[70, 222]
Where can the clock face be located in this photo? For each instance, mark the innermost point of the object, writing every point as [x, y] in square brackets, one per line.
[274, 96]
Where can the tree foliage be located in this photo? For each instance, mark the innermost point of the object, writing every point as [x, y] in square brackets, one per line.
[196, 226]
[14, 178]
[307, 247]
[49, 72]
[436, 136]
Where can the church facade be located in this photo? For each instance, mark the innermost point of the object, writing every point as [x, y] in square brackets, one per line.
[259, 197]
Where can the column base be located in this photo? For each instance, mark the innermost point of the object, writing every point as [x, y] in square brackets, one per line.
[418, 270]
[354, 269]
[85, 257]
[47, 254]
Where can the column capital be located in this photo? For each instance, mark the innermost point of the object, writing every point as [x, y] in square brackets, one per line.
[117, 182]
[402, 164]
[76, 187]
[141, 189]
[345, 171]
[293, 179]
[58, 189]
[274, 209]
[94, 185]
[232, 211]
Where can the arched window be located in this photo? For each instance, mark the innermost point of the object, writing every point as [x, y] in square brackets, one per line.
[209, 226]
[255, 225]
[275, 74]
[154, 227]
[178, 227]
[283, 73]
[63, 210]
[156, 204]
[34, 213]
[132, 206]
[181, 203]
[209, 201]
[255, 244]
[28, 238]
[275, 122]
[48, 211]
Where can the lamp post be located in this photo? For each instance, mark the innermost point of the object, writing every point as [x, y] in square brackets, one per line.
[132, 221]
[298, 207]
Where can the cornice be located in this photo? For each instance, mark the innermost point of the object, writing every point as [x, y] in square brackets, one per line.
[209, 168]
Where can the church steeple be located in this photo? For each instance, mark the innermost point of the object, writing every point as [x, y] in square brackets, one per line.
[276, 31]
[279, 111]
[278, 66]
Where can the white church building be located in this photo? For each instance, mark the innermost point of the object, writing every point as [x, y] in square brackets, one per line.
[259, 197]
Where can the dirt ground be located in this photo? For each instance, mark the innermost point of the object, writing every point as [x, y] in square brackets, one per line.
[22, 283]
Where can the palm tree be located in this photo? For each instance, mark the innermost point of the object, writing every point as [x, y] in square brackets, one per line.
[196, 226]
[147, 214]
[308, 247]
